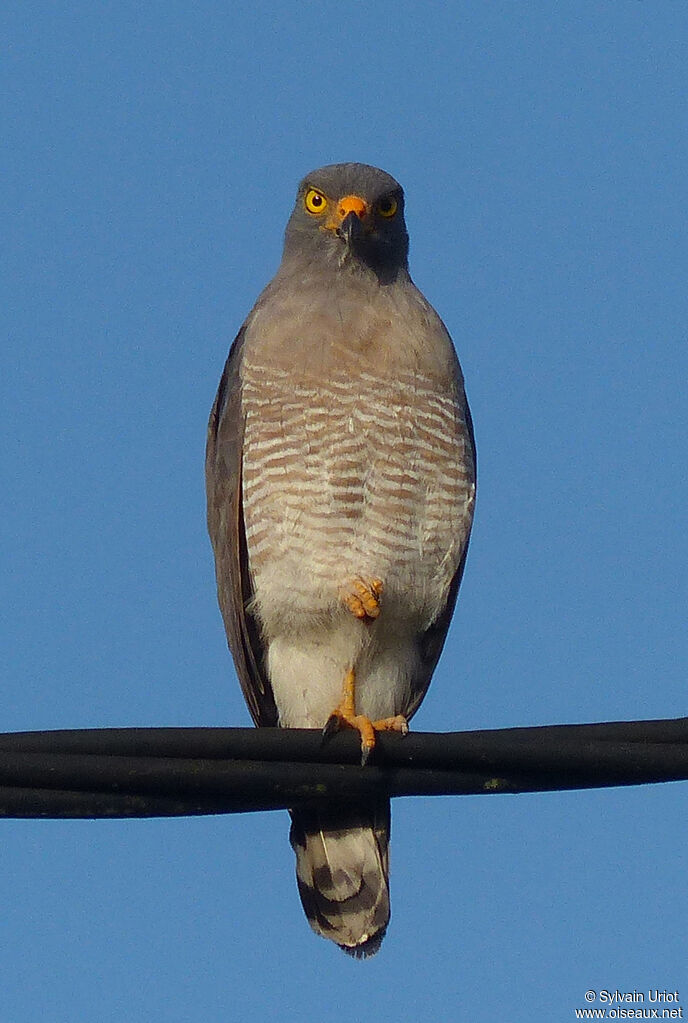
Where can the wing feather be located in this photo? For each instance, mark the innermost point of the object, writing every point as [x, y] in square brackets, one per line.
[228, 537]
[432, 640]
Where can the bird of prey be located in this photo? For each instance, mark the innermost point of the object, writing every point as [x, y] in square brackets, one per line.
[340, 474]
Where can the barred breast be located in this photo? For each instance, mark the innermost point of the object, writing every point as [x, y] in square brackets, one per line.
[370, 478]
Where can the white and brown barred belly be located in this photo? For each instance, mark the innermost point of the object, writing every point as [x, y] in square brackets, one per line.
[370, 478]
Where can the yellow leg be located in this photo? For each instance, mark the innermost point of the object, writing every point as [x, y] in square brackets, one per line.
[345, 716]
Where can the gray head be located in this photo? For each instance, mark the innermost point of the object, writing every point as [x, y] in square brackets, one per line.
[349, 215]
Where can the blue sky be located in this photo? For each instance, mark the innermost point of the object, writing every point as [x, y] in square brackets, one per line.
[150, 161]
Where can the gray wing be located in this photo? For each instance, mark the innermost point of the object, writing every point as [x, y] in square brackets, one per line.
[432, 640]
[227, 535]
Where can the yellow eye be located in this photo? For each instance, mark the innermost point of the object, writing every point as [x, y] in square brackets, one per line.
[315, 201]
[387, 207]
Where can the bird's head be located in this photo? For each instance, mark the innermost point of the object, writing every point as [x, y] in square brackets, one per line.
[349, 214]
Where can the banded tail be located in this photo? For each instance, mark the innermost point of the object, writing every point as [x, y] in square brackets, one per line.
[342, 872]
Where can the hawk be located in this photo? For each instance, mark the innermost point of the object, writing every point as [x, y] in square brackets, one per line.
[340, 475]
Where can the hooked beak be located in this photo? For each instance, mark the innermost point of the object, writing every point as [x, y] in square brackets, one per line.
[351, 228]
[350, 218]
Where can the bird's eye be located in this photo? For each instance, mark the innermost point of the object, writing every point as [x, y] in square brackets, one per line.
[387, 207]
[315, 201]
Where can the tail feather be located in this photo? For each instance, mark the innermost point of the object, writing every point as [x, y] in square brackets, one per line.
[342, 873]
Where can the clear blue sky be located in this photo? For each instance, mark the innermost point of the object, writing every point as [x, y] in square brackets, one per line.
[150, 157]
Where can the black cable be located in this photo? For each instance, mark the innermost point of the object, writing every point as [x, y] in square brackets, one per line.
[149, 772]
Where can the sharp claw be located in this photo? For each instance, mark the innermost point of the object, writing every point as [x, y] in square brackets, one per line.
[362, 597]
[365, 753]
[332, 725]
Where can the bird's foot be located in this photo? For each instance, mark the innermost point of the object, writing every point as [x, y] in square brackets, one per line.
[345, 716]
[362, 597]
[338, 719]
[398, 723]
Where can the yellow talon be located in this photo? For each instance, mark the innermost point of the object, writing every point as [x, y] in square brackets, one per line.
[396, 724]
[345, 716]
[362, 597]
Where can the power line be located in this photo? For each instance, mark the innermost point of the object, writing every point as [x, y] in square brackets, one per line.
[153, 772]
